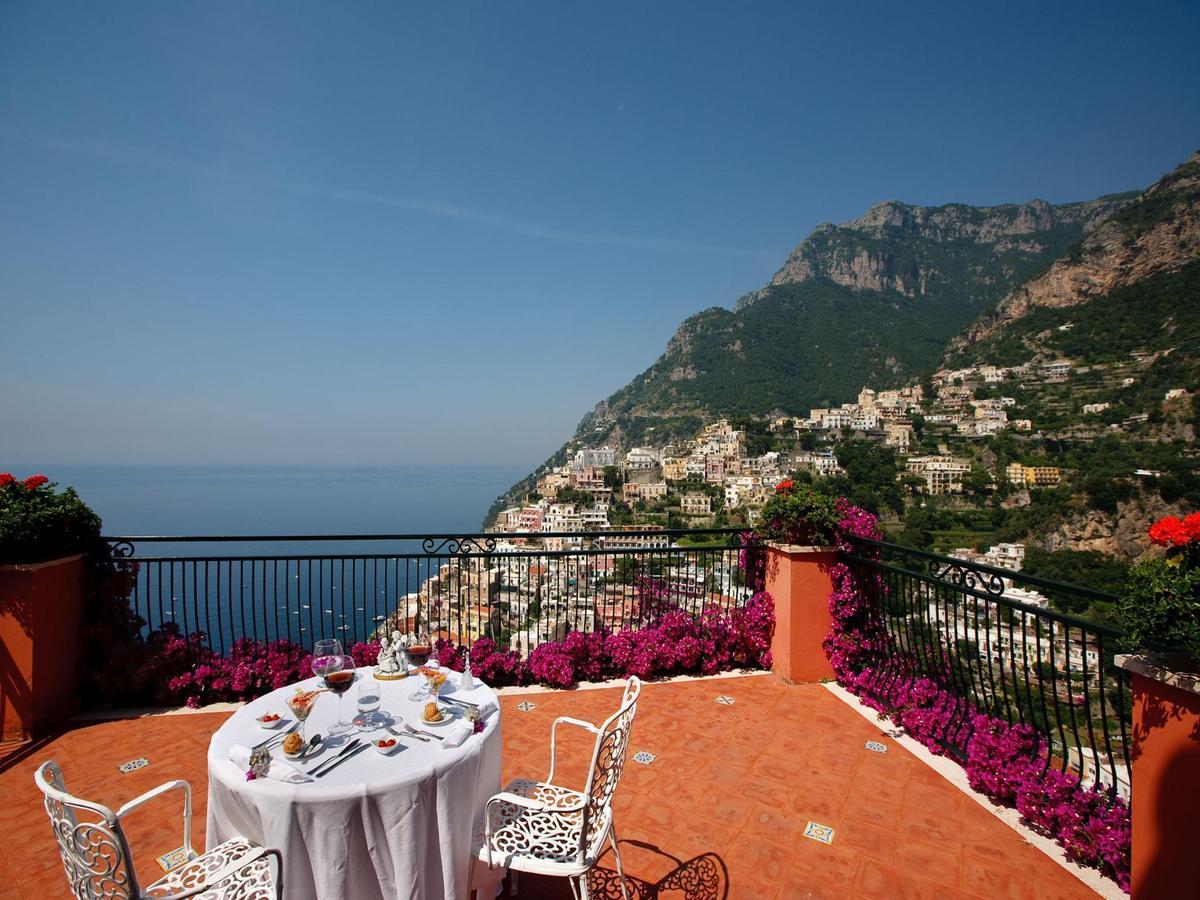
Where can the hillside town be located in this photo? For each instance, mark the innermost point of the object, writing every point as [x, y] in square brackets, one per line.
[717, 477]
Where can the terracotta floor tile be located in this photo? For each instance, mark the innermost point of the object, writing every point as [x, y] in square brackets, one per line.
[729, 808]
[935, 862]
[727, 798]
[887, 882]
[757, 868]
[833, 864]
[868, 840]
[876, 807]
[1001, 882]
[773, 823]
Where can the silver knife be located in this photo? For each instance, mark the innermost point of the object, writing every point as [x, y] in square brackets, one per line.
[352, 745]
[337, 762]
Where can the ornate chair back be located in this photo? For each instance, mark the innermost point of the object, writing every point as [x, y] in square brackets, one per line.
[608, 761]
[94, 851]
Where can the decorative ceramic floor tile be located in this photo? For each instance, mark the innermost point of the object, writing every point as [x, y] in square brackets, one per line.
[133, 765]
[821, 833]
[644, 758]
[876, 746]
[176, 857]
[526, 706]
[725, 701]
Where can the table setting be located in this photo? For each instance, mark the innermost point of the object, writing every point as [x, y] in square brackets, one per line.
[369, 786]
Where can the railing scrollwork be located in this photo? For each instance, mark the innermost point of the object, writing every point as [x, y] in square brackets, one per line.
[458, 546]
[120, 549]
[963, 574]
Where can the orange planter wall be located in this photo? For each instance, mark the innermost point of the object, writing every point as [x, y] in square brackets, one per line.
[799, 581]
[41, 633]
[1166, 788]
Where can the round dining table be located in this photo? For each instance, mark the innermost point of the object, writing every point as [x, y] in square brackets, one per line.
[376, 826]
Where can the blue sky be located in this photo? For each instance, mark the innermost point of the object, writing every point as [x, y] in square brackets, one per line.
[439, 233]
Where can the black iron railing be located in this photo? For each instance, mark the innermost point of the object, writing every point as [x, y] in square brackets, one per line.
[519, 589]
[989, 639]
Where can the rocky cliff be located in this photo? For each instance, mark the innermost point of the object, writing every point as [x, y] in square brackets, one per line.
[899, 247]
[1157, 232]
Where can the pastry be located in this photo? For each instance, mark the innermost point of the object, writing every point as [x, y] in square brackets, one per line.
[292, 743]
[432, 713]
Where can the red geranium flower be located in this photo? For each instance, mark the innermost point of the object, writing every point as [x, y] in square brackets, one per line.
[35, 481]
[6, 479]
[1170, 531]
[783, 486]
[1191, 522]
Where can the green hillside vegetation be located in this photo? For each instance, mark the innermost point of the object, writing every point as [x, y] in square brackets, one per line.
[1160, 312]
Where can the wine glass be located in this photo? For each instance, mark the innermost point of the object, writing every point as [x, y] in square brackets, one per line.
[327, 657]
[338, 673]
[418, 649]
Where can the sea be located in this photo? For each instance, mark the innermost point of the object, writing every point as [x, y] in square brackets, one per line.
[299, 590]
[284, 500]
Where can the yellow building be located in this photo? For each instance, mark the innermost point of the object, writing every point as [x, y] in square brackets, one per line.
[674, 469]
[1042, 476]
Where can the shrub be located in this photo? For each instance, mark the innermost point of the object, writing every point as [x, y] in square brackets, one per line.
[798, 514]
[38, 523]
[1160, 608]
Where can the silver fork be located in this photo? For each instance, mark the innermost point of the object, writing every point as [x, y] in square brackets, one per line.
[417, 733]
[279, 736]
[392, 730]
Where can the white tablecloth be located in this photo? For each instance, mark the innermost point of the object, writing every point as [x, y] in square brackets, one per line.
[377, 826]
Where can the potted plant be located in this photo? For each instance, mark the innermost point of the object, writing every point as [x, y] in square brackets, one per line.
[800, 528]
[1160, 608]
[797, 515]
[44, 536]
[1160, 612]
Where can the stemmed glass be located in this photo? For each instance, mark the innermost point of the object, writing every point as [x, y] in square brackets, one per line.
[418, 652]
[329, 663]
[418, 649]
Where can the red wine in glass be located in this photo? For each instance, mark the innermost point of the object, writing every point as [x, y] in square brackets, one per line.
[338, 683]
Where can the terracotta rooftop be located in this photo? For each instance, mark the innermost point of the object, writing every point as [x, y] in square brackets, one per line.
[721, 811]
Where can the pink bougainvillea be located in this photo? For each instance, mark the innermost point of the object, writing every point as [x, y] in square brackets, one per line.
[185, 670]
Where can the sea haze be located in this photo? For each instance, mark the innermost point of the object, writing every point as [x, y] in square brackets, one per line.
[282, 500]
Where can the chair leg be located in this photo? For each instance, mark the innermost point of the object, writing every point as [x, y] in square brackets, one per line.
[583, 888]
[574, 888]
[512, 882]
[612, 839]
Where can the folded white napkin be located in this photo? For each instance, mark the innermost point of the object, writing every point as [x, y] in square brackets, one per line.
[457, 733]
[239, 755]
[479, 695]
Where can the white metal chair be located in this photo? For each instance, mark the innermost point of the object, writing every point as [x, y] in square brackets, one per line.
[98, 862]
[546, 829]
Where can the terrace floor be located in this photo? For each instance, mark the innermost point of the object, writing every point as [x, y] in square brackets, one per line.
[720, 812]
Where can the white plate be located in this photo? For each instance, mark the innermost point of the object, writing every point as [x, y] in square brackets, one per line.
[447, 717]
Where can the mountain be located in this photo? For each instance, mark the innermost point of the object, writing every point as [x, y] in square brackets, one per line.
[870, 301]
[1159, 231]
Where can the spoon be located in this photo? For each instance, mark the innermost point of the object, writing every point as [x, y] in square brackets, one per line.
[313, 743]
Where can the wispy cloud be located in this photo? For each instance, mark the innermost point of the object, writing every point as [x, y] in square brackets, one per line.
[127, 155]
